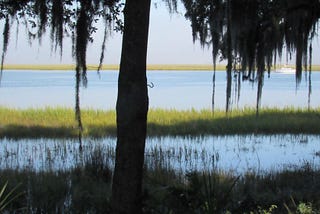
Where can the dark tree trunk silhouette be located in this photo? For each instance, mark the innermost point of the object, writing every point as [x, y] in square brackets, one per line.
[299, 56]
[132, 109]
[309, 76]
[254, 31]
[229, 57]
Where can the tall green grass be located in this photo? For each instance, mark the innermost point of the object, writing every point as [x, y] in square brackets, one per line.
[60, 122]
[243, 121]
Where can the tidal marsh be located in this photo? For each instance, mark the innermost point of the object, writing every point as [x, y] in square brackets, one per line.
[87, 190]
[60, 122]
[233, 153]
[39, 150]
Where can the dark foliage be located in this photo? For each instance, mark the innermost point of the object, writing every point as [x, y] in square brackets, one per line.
[65, 18]
[251, 34]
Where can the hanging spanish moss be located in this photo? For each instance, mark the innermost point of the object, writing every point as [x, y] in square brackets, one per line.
[229, 54]
[301, 17]
[309, 79]
[57, 23]
[41, 9]
[8, 10]
[207, 27]
[6, 34]
[102, 50]
[213, 87]
[256, 32]
[82, 39]
[65, 18]
[171, 5]
[84, 30]
[215, 28]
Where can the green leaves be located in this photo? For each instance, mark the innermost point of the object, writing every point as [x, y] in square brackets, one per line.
[7, 198]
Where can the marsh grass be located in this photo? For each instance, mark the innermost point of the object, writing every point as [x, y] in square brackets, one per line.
[85, 188]
[75, 191]
[54, 123]
[8, 196]
[219, 192]
[60, 122]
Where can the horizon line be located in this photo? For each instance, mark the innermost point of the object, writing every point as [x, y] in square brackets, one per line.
[198, 67]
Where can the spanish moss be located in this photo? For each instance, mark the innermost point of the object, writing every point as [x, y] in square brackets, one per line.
[57, 23]
[171, 5]
[103, 47]
[256, 32]
[41, 10]
[78, 110]
[229, 55]
[309, 76]
[65, 18]
[6, 35]
[213, 86]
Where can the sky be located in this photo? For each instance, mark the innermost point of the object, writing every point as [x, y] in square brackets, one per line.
[170, 42]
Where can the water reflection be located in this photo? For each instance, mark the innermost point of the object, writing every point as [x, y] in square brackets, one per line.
[228, 153]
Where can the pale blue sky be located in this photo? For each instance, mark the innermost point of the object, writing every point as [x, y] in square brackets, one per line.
[170, 42]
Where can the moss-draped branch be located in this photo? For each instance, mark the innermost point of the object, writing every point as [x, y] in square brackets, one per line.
[250, 34]
[64, 18]
[260, 31]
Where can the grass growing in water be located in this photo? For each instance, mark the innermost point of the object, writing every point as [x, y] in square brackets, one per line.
[60, 122]
[87, 190]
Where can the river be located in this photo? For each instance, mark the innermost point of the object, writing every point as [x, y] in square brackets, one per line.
[171, 90]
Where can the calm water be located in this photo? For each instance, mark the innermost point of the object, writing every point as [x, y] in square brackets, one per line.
[231, 153]
[172, 89]
[179, 90]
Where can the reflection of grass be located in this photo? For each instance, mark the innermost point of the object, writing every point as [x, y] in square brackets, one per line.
[81, 190]
[60, 122]
[87, 190]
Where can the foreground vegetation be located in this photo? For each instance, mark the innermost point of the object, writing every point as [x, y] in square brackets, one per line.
[87, 190]
[60, 122]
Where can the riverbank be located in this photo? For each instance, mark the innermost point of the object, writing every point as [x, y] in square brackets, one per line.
[110, 67]
[60, 122]
[87, 188]
[176, 67]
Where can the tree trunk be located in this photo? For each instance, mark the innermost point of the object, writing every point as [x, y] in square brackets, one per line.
[230, 58]
[132, 109]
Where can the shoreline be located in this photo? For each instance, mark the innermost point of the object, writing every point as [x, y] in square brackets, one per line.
[59, 122]
[170, 67]
[109, 67]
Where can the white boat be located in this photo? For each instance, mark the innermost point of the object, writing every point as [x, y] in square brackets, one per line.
[286, 70]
